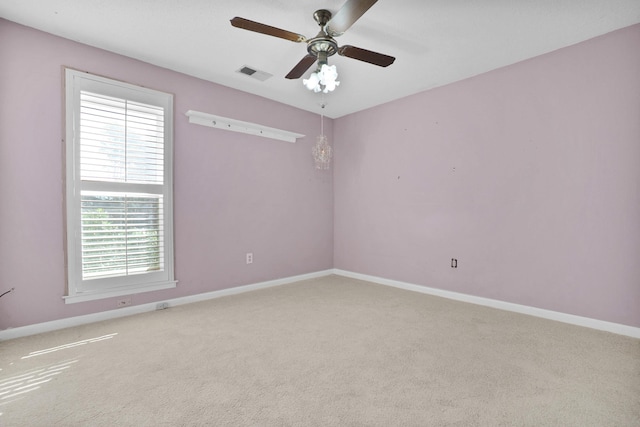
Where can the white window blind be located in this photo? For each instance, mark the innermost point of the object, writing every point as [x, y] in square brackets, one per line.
[122, 234]
[121, 141]
[119, 188]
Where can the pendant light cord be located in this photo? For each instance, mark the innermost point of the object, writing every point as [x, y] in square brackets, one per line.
[322, 105]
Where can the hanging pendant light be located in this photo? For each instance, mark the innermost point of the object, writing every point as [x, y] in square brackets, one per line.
[322, 151]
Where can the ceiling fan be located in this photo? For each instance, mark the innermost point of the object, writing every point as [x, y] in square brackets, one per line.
[323, 45]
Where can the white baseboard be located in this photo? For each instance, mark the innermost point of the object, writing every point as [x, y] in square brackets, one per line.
[601, 325]
[53, 325]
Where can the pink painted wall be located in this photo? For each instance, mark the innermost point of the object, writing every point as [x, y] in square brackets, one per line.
[234, 193]
[528, 175]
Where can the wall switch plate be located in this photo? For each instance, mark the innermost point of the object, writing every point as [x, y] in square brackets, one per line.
[249, 258]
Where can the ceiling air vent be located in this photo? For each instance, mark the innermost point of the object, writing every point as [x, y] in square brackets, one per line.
[254, 74]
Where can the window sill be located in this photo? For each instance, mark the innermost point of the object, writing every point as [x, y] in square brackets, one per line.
[117, 292]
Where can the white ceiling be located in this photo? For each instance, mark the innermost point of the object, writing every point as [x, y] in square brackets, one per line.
[435, 42]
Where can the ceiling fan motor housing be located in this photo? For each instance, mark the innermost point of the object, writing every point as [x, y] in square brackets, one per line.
[322, 46]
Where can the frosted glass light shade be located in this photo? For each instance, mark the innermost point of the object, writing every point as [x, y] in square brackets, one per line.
[324, 80]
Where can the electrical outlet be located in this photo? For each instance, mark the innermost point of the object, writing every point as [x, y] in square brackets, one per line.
[123, 302]
[249, 258]
[162, 305]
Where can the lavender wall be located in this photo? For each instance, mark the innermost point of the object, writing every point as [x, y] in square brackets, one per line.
[528, 175]
[234, 193]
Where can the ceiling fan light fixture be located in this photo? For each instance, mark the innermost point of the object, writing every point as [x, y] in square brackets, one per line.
[312, 83]
[324, 79]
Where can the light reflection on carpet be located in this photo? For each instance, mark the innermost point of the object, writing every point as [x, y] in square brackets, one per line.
[70, 345]
[18, 386]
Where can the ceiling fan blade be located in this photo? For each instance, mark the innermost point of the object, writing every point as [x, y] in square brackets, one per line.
[351, 11]
[301, 67]
[246, 24]
[374, 58]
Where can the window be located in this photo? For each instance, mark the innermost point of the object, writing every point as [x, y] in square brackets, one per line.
[119, 153]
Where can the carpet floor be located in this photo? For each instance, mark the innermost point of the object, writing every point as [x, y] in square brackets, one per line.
[331, 351]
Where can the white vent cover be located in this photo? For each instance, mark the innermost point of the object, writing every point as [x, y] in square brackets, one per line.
[253, 73]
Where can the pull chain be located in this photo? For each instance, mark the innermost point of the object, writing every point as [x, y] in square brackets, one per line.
[322, 105]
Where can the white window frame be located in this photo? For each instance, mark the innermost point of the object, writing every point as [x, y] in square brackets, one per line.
[79, 290]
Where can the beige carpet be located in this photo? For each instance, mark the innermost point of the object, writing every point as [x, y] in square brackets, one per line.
[324, 352]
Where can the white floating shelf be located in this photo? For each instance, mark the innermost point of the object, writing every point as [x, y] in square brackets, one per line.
[233, 125]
